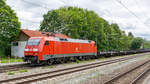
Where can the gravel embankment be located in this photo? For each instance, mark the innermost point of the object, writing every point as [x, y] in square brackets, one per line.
[90, 76]
[129, 77]
[11, 63]
[124, 80]
[97, 75]
[87, 76]
[145, 79]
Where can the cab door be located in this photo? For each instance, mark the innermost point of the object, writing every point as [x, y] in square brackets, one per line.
[46, 49]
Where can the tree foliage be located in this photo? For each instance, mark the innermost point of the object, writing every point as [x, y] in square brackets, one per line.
[76, 23]
[9, 27]
[84, 24]
[136, 43]
[130, 35]
[146, 44]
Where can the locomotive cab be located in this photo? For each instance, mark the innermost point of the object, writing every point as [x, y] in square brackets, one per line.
[32, 50]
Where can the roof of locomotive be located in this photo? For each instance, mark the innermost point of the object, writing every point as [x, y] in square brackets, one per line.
[50, 38]
[73, 40]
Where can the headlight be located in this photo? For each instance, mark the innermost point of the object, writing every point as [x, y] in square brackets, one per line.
[25, 53]
[36, 54]
[26, 49]
[35, 49]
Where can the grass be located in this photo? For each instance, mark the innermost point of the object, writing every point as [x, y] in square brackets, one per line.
[8, 60]
[122, 62]
[47, 67]
[11, 73]
[23, 70]
[148, 55]
[20, 70]
[102, 58]
[77, 61]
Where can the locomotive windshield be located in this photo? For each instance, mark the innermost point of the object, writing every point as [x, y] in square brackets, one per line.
[33, 42]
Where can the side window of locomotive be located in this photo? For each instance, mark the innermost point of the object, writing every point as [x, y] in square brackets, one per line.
[63, 39]
[46, 43]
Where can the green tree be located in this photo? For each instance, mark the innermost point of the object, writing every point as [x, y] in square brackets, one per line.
[136, 43]
[146, 44]
[130, 35]
[76, 23]
[84, 24]
[114, 37]
[9, 27]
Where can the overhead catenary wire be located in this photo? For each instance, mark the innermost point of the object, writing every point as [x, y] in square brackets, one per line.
[38, 5]
[143, 13]
[139, 7]
[35, 4]
[47, 10]
[131, 12]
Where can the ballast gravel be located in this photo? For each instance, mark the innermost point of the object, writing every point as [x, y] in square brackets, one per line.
[96, 75]
[12, 63]
[90, 76]
[145, 79]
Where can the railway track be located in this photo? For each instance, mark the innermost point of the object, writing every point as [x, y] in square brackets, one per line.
[138, 79]
[51, 74]
[131, 76]
[14, 67]
[7, 68]
[18, 66]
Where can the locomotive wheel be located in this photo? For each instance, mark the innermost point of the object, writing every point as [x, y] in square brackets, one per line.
[56, 60]
[72, 59]
[61, 60]
[81, 58]
[67, 59]
[50, 61]
[85, 57]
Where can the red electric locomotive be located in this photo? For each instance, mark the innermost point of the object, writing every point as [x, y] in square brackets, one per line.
[48, 48]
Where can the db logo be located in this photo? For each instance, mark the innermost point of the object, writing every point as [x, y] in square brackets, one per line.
[76, 49]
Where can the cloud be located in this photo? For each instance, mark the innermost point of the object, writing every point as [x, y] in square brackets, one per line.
[30, 12]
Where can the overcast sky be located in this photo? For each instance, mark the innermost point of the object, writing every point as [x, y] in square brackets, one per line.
[131, 15]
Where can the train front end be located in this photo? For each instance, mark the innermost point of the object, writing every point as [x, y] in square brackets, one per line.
[32, 51]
